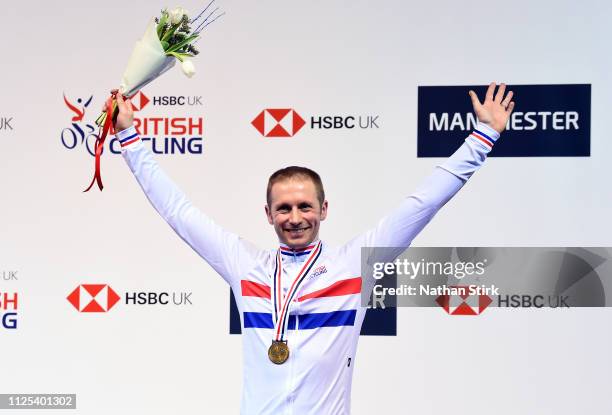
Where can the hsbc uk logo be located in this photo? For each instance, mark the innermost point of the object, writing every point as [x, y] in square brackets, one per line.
[8, 275]
[101, 298]
[139, 101]
[286, 122]
[463, 300]
[278, 122]
[93, 298]
[5, 123]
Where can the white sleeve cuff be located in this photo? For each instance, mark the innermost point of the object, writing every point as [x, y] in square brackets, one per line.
[484, 136]
[128, 137]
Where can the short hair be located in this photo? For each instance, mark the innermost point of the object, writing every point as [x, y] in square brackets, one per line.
[296, 172]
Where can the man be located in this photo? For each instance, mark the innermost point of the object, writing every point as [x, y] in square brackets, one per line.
[300, 304]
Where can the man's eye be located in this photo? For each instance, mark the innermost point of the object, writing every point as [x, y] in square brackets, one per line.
[282, 210]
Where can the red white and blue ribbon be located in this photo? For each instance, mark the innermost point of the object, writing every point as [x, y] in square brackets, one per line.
[104, 130]
[281, 306]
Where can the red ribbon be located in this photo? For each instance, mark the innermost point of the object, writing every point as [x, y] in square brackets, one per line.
[108, 126]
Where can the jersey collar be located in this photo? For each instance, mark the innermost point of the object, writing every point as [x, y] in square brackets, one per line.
[297, 255]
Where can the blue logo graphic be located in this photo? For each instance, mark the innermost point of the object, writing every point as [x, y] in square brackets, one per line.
[548, 121]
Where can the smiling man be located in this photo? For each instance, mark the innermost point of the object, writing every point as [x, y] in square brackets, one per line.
[300, 304]
[296, 205]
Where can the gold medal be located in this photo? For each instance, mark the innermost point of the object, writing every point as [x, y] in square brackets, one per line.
[278, 352]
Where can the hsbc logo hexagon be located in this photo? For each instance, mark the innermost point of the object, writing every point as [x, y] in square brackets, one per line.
[278, 122]
[139, 101]
[464, 304]
[93, 298]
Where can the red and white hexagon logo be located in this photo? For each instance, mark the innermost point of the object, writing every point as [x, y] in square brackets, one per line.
[278, 122]
[139, 101]
[464, 304]
[93, 298]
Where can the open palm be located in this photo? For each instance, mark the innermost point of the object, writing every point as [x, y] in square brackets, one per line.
[496, 109]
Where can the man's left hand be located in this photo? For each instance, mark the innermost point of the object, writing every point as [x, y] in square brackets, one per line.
[496, 109]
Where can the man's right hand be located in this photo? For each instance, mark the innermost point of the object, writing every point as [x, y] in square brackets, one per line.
[125, 117]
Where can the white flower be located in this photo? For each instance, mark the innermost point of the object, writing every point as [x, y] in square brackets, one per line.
[188, 68]
[176, 15]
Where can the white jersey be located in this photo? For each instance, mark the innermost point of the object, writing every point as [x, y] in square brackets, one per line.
[326, 316]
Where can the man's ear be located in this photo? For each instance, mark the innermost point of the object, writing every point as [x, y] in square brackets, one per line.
[269, 214]
[324, 210]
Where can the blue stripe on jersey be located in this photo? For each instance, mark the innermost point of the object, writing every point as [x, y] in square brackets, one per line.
[333, 319]
[484, 135]
[306, 322]
[258, 320]
[128, 138]
[295, 253]
[263, 321]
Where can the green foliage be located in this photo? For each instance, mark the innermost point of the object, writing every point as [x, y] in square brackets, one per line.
[161, 25]
[168, 34]
[180, 45]
[176, 38]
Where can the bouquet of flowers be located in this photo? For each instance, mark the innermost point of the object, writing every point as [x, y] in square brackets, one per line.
[168, 38]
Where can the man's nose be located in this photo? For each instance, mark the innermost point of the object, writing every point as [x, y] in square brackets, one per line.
[295, 217]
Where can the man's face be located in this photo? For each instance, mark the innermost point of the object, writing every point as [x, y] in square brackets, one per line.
[295, 212]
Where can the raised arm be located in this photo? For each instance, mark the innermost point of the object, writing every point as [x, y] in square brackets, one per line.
[228, 254]
[401, 226]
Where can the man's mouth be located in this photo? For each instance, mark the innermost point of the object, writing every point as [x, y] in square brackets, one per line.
[297, 231]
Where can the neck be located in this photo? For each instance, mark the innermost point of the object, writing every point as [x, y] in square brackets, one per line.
[295, 254]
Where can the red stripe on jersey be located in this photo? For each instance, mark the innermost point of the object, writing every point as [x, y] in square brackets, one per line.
[484, 140]
[254, 289]
[343, 287]
[130, 142]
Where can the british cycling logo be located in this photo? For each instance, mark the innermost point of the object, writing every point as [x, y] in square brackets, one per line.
[286, 122]
[80, 132]
[165, 135]
[318, 271]
[9, 304]
[463, 300]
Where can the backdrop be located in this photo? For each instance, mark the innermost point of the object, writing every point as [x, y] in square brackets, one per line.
[335, 59]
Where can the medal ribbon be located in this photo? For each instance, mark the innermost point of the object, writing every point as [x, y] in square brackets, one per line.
[108, 126]
[281, 308]
[276, 293]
